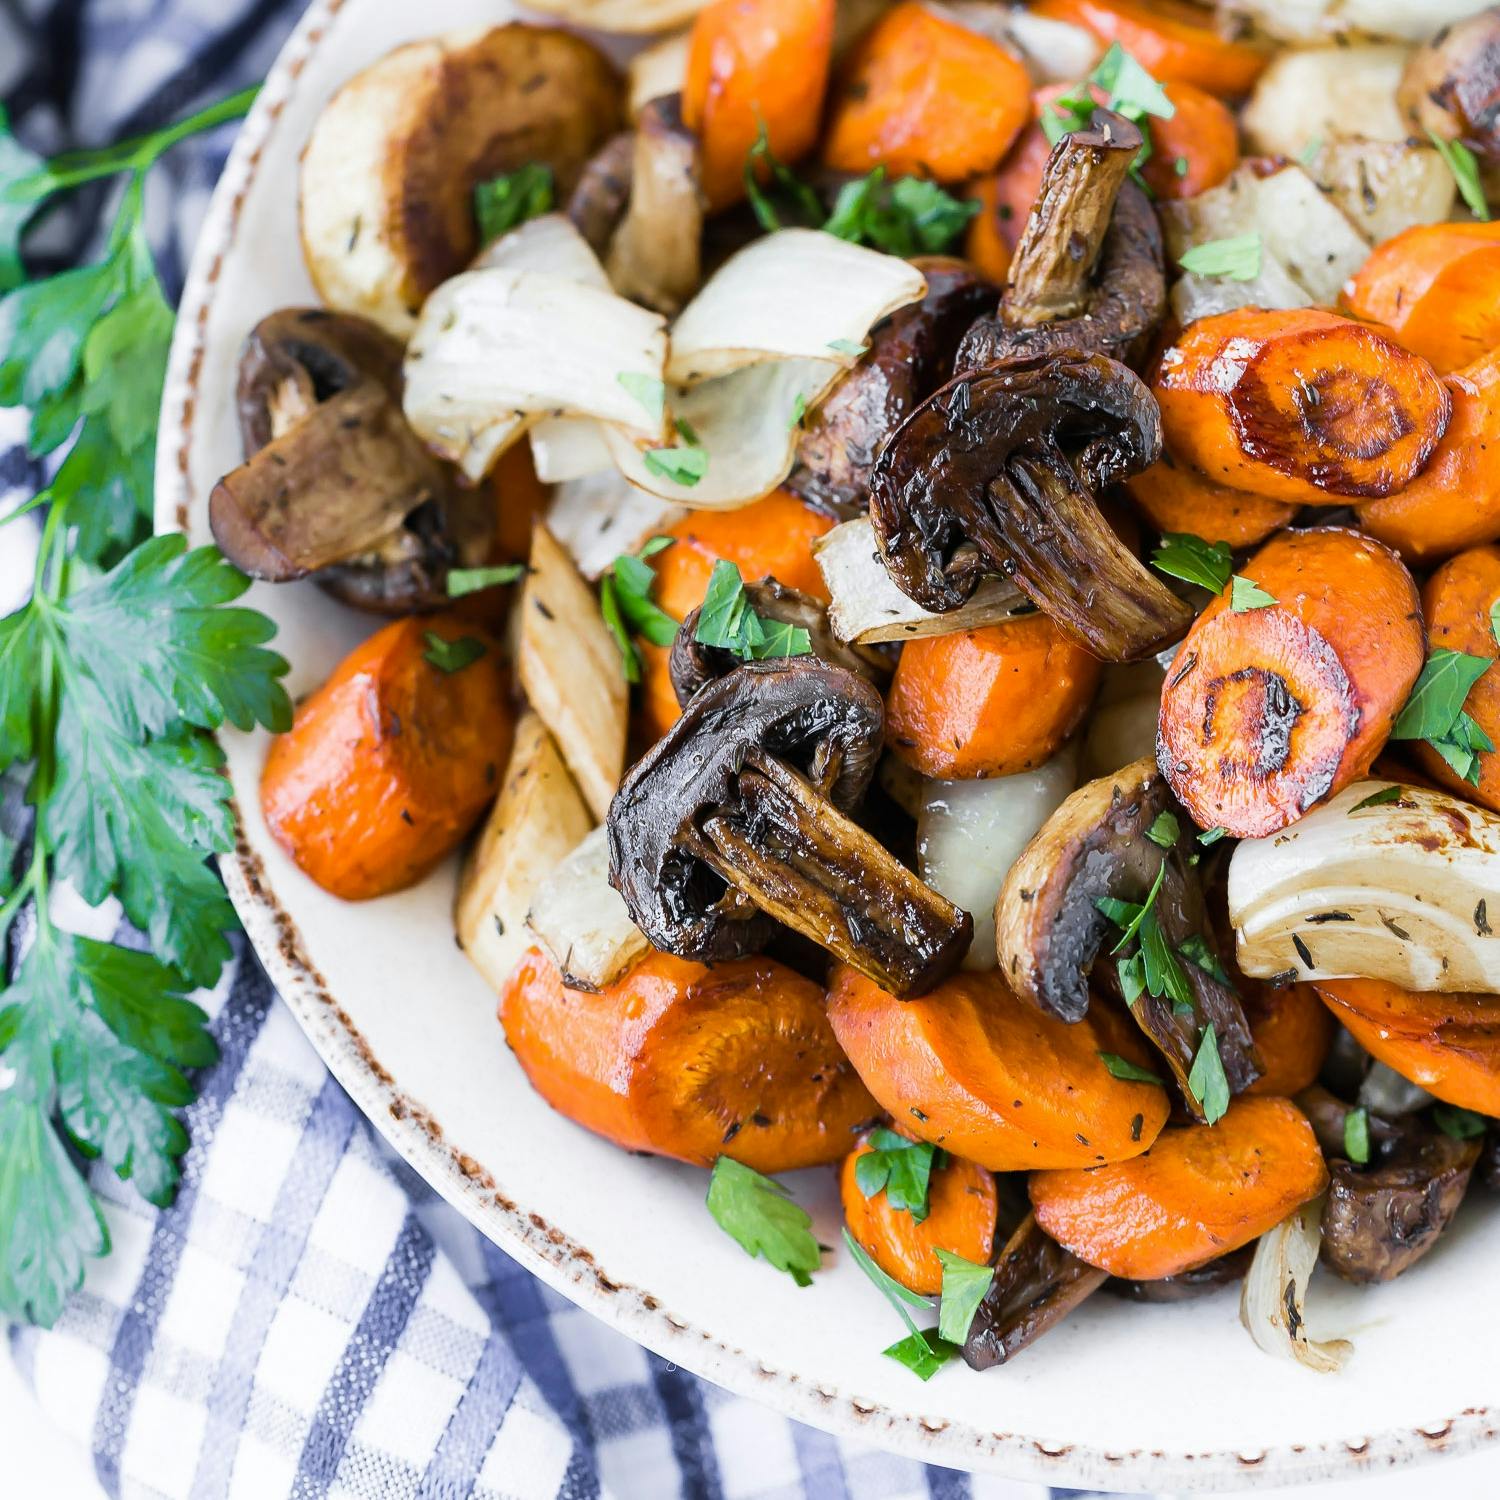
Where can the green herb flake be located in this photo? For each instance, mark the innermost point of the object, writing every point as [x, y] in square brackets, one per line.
[647, 391]
[1309, 153]
[1234, 259]
[964, 1286]
[504, 202]
[1246, 594]
[924, 1354]
[684, 466]
[1461, 162]
[1385, 795]
[849, 347]
[1460, 1124]
[628, 609]
[760, 1216]
[777, 196]
[1211, 836]
[452, 656]
[726, 620]
[1190, 558]
[1206, 1080]
[1194, 948]
[1165, 976]
[1165, 831]
[910, 216]
[1357, 1136]
[1181, 166]
[1435, 710]
[899, 1168]
[900, 1297]
[799, 410]
[1124, 1069]
[1131, 973]
[463, 581]
[1135, 916]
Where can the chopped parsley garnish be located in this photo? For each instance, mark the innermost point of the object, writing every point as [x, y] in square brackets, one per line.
[1165, 830]
[924, 1354]
[799, 410]
[452, 656]
[1181, 166]
[727, 621]
[1211, 836]
[777, 195]
[964, 1286]
[1206, 1080]
[463, 581]
[1460, 1124]
[1309, 153]
[1234, 259]
[1357, 1136]
[648, 391]
[899, 1168]
[1378, 799]
[1128, 89]
[1128, 914]
[1123, 1068]
[628, 609]
[1246, 594]
[1435, 711]
[1154, 968]
[682, 465]
[1190, 558]
[759, 1215]
[506, 201]
[1461, 163]
[1195, 949]
[910, 216]
[849, 347]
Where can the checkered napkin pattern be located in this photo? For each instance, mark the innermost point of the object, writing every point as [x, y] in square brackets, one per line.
[307, 1319]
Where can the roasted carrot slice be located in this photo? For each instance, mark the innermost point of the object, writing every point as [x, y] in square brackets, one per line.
[1199, 1192]
[989, 701]
[1299, 405]
[961, 1206]
[1292, 1034]
[1270, 708]
[1433, 286]
[971, 1068]
[1194, 150]
[755, 64]
[390, 763]
[1173, 40]
[1455, 501]
[1175, 497]
[1005, 199]
[1456, 601]
[1446, 1044]
[923, 95]
[690, 1060]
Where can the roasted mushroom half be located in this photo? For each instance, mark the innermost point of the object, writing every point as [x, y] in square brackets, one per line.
[1121, 838]
[736, 819]
[692, 663]
[1451, 87]
[997, 473]
[335, 483]
[1088, 271]
[910, 355]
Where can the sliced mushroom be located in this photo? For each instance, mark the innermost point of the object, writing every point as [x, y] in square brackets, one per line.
[1382, 1219]
[389, 172]
[692, 663]
[335, 482]
[1185, 1286]
[1451, 86]
[1049, 929]
[656, 255]
[997, 473]
[737, 816]
[597, 204]
[1088, 274]
[1037, 1284]
[910, 354]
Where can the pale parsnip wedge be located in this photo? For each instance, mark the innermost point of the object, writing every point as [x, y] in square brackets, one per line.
[1400, 891]
[581, 920]
[570, 670]
[1382, 188]
[388, 174]
[537, 820]
[866, 607]
[1325, 94]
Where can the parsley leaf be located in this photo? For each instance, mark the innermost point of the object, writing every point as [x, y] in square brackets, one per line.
[726, 620]
[506, 201]
[463, 581]
[452, 656]
[1378, 799]
[788, 194]
[964, 1286]
[900, 1168]
[1165, 830]
[1206, 1080]
[1235, 259]
[1461, 163]
[1127, 914]
[924, 1354]
[759, 1215]
[900, 1297]
[1211, 836]
[627, 606]
[911, 216]
[1461, 1124]
[1435, 710]
[1123, 1068]
[682, 465]
[1246, 594]
[1357, 1136]
[648, 390]
[1193, 560]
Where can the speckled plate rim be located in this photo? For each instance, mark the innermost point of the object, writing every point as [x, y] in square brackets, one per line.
[573, 1269]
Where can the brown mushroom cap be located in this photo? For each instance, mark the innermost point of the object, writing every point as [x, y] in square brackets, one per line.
[996, 473]
[1451, 86]
[910, 354]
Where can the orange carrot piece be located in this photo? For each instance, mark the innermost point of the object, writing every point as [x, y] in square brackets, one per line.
[1173, 40]
[389, 764]
[1455, 501]
[975, 1070]
[1266, 711]
[1433, 286]
[923, 95]
[1198, 1193]
[690, 1060]
[753, 63]
[1446, 1044]
[989, 701]
[1292, 1034]
[1194, 150]
[961, 1207]
[1175, 497]
[1299, 405]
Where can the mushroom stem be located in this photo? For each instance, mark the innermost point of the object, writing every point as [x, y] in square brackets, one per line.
[799, 859]
[1051, 275]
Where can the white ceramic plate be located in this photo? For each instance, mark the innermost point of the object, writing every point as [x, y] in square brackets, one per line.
[1120, 1396]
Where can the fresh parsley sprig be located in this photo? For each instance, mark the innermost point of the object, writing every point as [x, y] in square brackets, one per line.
[759, 1214]
[508, 200]
[899, 1168]
[127, 654]
[1435, 710]
[629, 610]
[726, 620]
[1188, 557]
